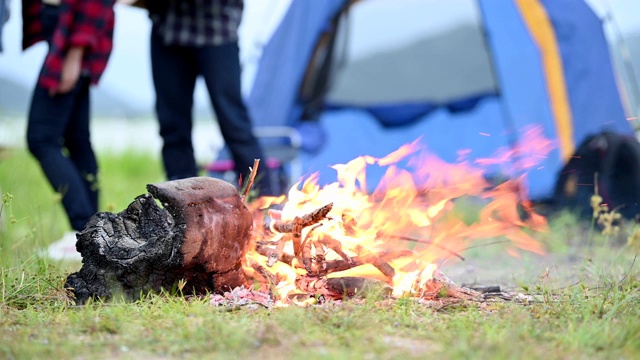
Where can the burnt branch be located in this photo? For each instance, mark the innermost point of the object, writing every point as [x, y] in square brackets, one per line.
[381, 260]
[295, 226]
[307, 244]
[266, 249]
[440, 285]
[306, 220]
[251, 179]
[336, 288]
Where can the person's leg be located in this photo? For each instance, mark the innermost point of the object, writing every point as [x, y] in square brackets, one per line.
[220, 67]
[48, 119]
[174, 78]
[77, 140]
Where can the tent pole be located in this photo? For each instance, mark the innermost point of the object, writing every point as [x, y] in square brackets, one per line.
[627, 65]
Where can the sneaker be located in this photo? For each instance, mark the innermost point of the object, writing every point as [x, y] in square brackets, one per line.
[65, 248]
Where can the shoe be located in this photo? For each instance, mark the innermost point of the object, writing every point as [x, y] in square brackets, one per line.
[65, 248]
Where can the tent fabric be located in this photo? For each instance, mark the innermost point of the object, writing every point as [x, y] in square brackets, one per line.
[446, 70]
[525, 66]
[273, 97]
[483, 130]
[448, 76]
[588, 70]
[355, 132]
[520, 73]
[537, 21]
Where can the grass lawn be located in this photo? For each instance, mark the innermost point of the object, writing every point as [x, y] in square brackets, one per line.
[586, 298]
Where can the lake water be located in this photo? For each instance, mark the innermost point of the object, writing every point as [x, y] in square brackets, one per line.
[122, 135]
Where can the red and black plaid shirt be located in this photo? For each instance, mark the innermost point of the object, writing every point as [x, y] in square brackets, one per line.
[84, 23]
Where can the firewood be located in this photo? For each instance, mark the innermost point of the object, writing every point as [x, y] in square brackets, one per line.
[337, 288]
[325, 267]
[441, 286]
[200, 236]
[309, 219]
[252, 177]
[380, 261]
[296, 225]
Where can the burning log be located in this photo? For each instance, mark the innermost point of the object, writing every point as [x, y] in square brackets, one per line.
[199, 237]
[337, 288]
[324, 267]
[378, 262]
[302, 249]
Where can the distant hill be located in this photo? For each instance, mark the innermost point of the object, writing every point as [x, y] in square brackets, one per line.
[15, 99]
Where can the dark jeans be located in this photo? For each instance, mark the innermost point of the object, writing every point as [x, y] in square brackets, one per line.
[175, 70]
[58, 137]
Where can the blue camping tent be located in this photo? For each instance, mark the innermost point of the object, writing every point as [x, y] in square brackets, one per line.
[540, 62]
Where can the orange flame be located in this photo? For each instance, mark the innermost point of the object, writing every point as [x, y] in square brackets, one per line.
[410, 222]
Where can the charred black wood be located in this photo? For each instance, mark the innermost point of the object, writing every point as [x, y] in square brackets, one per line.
[199, 235]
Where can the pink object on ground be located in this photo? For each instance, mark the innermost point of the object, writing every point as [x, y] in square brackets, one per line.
[224, 165]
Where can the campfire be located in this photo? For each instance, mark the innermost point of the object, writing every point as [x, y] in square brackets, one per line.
[317, 241]
[397, 235]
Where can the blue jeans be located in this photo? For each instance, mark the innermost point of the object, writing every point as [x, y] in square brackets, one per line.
[58, 137]
[175, 70]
